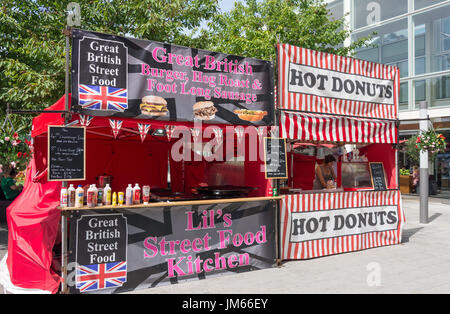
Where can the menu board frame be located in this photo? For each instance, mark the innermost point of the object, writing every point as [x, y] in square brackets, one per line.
[48, 152]
[265, 159]
[384, 175]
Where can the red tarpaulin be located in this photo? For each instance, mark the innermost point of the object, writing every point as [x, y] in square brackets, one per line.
[33, 219]
[32, 232]
[302, 170]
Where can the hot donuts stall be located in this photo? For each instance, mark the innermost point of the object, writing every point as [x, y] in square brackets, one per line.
[339, 116]
[154, 176]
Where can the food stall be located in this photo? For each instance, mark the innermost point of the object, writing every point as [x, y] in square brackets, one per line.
[345, 108]
[185, 126]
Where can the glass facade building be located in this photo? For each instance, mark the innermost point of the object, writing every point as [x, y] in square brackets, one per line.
[413, 35]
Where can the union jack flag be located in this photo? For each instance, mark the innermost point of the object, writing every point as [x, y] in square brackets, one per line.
[103, 98]
[116, 125]
[143, 130]
[85, 120]
[101, 276]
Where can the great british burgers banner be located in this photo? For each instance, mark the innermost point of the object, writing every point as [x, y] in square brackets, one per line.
[127, 77]
[319, 82]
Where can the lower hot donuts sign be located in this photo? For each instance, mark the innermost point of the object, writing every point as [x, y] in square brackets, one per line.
[308, 226]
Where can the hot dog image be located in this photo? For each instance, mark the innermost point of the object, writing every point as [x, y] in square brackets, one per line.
[250, 115]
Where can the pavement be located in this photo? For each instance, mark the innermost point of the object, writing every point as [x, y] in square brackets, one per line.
[421, 264]
[3, 239]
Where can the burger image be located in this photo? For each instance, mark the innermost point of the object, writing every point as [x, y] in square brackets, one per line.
[204, 110]
[250, 115]
[154, 106]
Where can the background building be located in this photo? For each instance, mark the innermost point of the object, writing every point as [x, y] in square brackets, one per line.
[414, 35]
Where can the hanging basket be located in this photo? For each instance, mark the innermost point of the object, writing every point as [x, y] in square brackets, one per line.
[15, 150]
[431, 142]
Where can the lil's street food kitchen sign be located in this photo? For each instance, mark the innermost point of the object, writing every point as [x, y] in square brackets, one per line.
[132, 249]
[126, 77]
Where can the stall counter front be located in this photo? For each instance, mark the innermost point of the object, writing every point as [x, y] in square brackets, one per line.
[321, 224]
[130, 247]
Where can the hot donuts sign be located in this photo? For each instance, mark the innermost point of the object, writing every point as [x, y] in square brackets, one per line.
[125, 77]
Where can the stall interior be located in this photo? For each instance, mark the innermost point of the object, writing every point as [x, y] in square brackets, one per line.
[171, 163]
[350, 166]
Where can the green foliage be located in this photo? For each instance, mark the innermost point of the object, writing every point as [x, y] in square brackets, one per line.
[32, 46]
[411, 151]
[404, 172]
[254, 27]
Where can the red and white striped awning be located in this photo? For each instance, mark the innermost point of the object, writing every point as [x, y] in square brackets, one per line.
[329, 128]
[320, 82]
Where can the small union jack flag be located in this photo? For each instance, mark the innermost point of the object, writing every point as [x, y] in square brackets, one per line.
[103, 98]
[143, 130]
[101, 276]
[116, 125]
[85, 120]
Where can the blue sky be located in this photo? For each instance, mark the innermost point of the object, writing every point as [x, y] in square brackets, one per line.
[226, 5]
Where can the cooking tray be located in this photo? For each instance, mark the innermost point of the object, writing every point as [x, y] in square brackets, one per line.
[157, 194]
[225, 190]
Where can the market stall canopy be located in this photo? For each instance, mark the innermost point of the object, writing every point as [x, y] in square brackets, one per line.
[330, 128]
[42, 121]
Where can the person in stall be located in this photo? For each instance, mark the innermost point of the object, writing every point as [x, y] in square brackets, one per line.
[325, 176]
[10, 189]
[416, 177]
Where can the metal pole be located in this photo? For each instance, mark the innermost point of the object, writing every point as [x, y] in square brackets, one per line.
[64, 183]
[423, 181]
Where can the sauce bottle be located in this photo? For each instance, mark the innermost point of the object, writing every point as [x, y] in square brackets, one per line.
[100, 196]
[79, 196]
[107, 195]
[129, 195]
[91, 196]
[63, 197]
[136, 194]
[146, 194]
[120, 198]
[114, 199]
[71, 196]
[95, 194]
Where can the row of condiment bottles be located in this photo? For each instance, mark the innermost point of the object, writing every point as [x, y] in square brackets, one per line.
[93, 196]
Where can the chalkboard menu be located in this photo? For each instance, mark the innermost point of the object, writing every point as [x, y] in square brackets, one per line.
[378, 176]
[66, 153]
[275, 158]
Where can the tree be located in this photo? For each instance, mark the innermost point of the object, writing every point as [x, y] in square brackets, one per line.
[253, 28]
[32, 46]
[412, 152]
